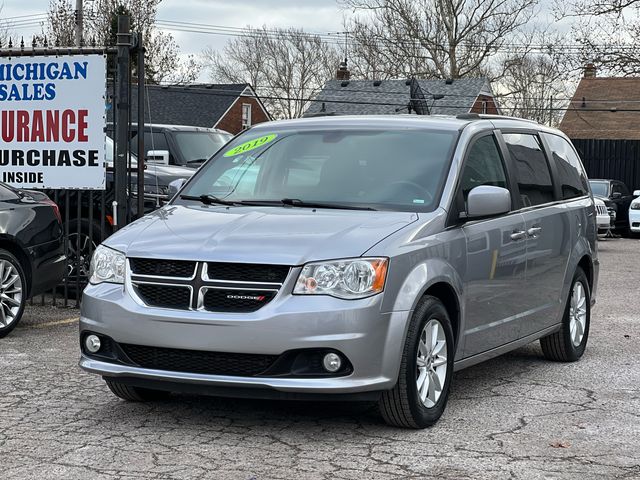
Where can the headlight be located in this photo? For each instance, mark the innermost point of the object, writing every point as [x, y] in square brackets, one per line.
[349, 279]
[107, 265]
[635, 205]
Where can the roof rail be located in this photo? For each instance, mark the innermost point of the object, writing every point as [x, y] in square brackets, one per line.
[478, 116]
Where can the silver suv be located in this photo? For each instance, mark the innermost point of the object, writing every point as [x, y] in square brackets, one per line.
[361, 258]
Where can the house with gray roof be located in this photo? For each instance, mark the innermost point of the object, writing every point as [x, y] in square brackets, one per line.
[392, 97]
[230, 107]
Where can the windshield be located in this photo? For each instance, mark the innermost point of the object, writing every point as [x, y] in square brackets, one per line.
[601, 189]
[401, 169]
[200, 146]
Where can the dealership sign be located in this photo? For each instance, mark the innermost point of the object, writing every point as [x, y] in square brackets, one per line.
[52, 121]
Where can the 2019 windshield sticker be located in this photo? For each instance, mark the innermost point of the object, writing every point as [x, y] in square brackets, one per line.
[251, 145]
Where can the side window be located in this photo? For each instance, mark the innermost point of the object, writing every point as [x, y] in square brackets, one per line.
[531, 168]
[620, 188]
[571, 177]
[483, 166]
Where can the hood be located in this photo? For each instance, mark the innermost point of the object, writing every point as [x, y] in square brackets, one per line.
[165, 174]
[287, 236]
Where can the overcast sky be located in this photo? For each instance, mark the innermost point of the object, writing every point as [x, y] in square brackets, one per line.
[312, 15]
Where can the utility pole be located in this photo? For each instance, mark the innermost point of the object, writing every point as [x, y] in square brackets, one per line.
[79, 23]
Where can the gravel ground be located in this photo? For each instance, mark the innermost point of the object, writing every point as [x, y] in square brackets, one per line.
[517, 416]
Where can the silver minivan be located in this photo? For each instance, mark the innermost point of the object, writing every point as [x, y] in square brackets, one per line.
[362, 258]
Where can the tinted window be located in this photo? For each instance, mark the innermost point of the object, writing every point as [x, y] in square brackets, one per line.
[571, 177]
[392, 169]
[483, 166]
[532, 170]
[620, 188]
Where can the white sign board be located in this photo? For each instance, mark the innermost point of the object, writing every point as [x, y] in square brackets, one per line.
[52, 122]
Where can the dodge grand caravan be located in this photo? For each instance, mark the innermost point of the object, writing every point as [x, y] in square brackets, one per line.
[361, 258]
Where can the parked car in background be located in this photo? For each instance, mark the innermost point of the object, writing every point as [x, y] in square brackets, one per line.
[617, 197]
[32, 257]
[357, 258]
[179, 145]
[634, 213]
[603, 219]
[88, 216]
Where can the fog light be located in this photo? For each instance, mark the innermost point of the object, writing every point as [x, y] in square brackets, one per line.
[92, 343]
[331, 362]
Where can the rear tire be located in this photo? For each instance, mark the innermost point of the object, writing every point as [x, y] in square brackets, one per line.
[135, 394]
[426, 367]
[13, 292]
[568, 344]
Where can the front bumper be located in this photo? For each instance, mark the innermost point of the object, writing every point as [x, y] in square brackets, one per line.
[603, 222]
[370, 339]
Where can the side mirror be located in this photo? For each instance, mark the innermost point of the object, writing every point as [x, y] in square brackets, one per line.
[636, 193]
[160, 157]
[175, 186]
[616, 195]
[487, 201]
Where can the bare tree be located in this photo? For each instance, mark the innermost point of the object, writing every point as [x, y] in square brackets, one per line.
[432, 38]
[162, 54]
[287, 67]
[4, 31]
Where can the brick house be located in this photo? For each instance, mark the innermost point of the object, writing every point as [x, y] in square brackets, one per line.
[603, 122]
[391, 97]
[230, 107]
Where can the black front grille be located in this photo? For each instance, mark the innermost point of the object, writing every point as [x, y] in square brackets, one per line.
[236, 300]
[195, 361]
[162, 268]
[248, 272]
[164, 296]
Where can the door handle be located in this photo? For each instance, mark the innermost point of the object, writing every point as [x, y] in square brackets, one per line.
[534, 231]
[518, 235]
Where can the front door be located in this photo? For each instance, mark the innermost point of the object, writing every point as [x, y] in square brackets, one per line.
[496, 256]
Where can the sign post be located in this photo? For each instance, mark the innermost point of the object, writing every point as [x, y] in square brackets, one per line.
[52, 121]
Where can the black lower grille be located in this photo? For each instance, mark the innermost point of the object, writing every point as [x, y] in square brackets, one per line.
[195, 361]
[164, 296]
[236, 300]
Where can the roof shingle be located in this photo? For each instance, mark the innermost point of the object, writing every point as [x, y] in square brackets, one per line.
[596, 110]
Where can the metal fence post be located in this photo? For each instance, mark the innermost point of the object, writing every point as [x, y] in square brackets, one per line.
[141, 153]
[122, 120]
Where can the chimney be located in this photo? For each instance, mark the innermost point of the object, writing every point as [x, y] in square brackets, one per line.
[590, 70]
[343, 72]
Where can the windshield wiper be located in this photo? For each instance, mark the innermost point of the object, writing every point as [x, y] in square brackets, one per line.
[208, 199]
[296, 202]
[197, 160]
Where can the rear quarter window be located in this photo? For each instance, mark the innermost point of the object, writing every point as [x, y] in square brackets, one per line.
[571, 176]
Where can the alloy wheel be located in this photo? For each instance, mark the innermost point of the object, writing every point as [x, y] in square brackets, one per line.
[431, 363]
[577, 313]
[10, 293]
[80, 249]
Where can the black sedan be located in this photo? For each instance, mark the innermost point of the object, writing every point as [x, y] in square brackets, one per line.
[32, 257]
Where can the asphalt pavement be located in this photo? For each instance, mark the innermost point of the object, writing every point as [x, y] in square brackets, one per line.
[515, 417]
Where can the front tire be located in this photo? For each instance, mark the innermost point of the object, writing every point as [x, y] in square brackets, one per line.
[420, 395]
[568, 344]
[135, 394]
[13, 292]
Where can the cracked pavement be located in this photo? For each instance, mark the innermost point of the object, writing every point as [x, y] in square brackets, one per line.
[514, 417]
